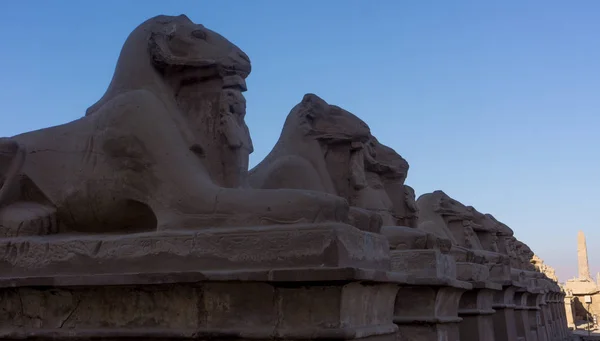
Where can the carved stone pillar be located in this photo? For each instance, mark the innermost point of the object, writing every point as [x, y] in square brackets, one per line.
[522, 315]
[533, 314]
[504, 319]
[429, 312]
[543, 326]
[560, 320]
[428, 309]
[566, 314]
[476, 310]
[552, 317]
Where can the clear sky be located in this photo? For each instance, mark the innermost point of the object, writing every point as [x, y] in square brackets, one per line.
[495, 102]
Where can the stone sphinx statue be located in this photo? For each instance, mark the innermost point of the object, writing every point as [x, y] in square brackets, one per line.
[447, 218]
[319, 149]
[503, 234]
[385, 172]
[437, 211]
[166, 147]
[441, 215]
[515, 260]
[525, 256]
[326, 148]
[486, 230]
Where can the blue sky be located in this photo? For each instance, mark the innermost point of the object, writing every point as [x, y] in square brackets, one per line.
[495, 102]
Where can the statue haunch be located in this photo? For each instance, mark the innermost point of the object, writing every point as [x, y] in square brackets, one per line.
[165, 147]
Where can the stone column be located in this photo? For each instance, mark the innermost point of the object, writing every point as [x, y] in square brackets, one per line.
[475, 307]
[522, 315]
[553, 321]
[429, 312]
[543, 327]
[566, 313]
[476, 310]
[559, 319]
[504, 318]
[533, 309]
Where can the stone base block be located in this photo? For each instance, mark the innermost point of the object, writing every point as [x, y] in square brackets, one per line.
[504, 319]
[429, 331]
[218, 249]
[429, 312]
[184, 309]
[326, 281]
[472, 272]
[476, 310]
[426, 264]
[500, 273]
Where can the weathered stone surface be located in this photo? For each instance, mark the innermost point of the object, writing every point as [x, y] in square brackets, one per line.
[257, 310]
[219, 249]
[320, 148]
[429, 312]
[447, 218]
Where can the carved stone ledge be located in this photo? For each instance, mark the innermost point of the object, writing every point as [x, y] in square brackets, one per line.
[216, 250]
[423, 264]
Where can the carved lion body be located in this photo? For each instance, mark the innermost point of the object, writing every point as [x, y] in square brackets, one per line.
[166, 145]
[312, 131]
[320, 148]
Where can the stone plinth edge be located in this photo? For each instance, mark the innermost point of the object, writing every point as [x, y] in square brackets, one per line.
[206, 251]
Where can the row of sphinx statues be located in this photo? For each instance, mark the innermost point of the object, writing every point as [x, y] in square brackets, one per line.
[130, 189]
[167, 147]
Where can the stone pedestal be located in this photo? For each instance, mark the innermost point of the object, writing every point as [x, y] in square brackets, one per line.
[280, 282]
[561, 319]
[476, 305]
[549, 315]
[560, 329]
[429, 312]
[475, 308]
[426, 265]
[504, 319]
[543, 327]
[191, 306]
[566, 313]
[522, 316]
[533, 312]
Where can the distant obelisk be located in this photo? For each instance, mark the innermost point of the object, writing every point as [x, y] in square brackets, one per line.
[582, 258]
